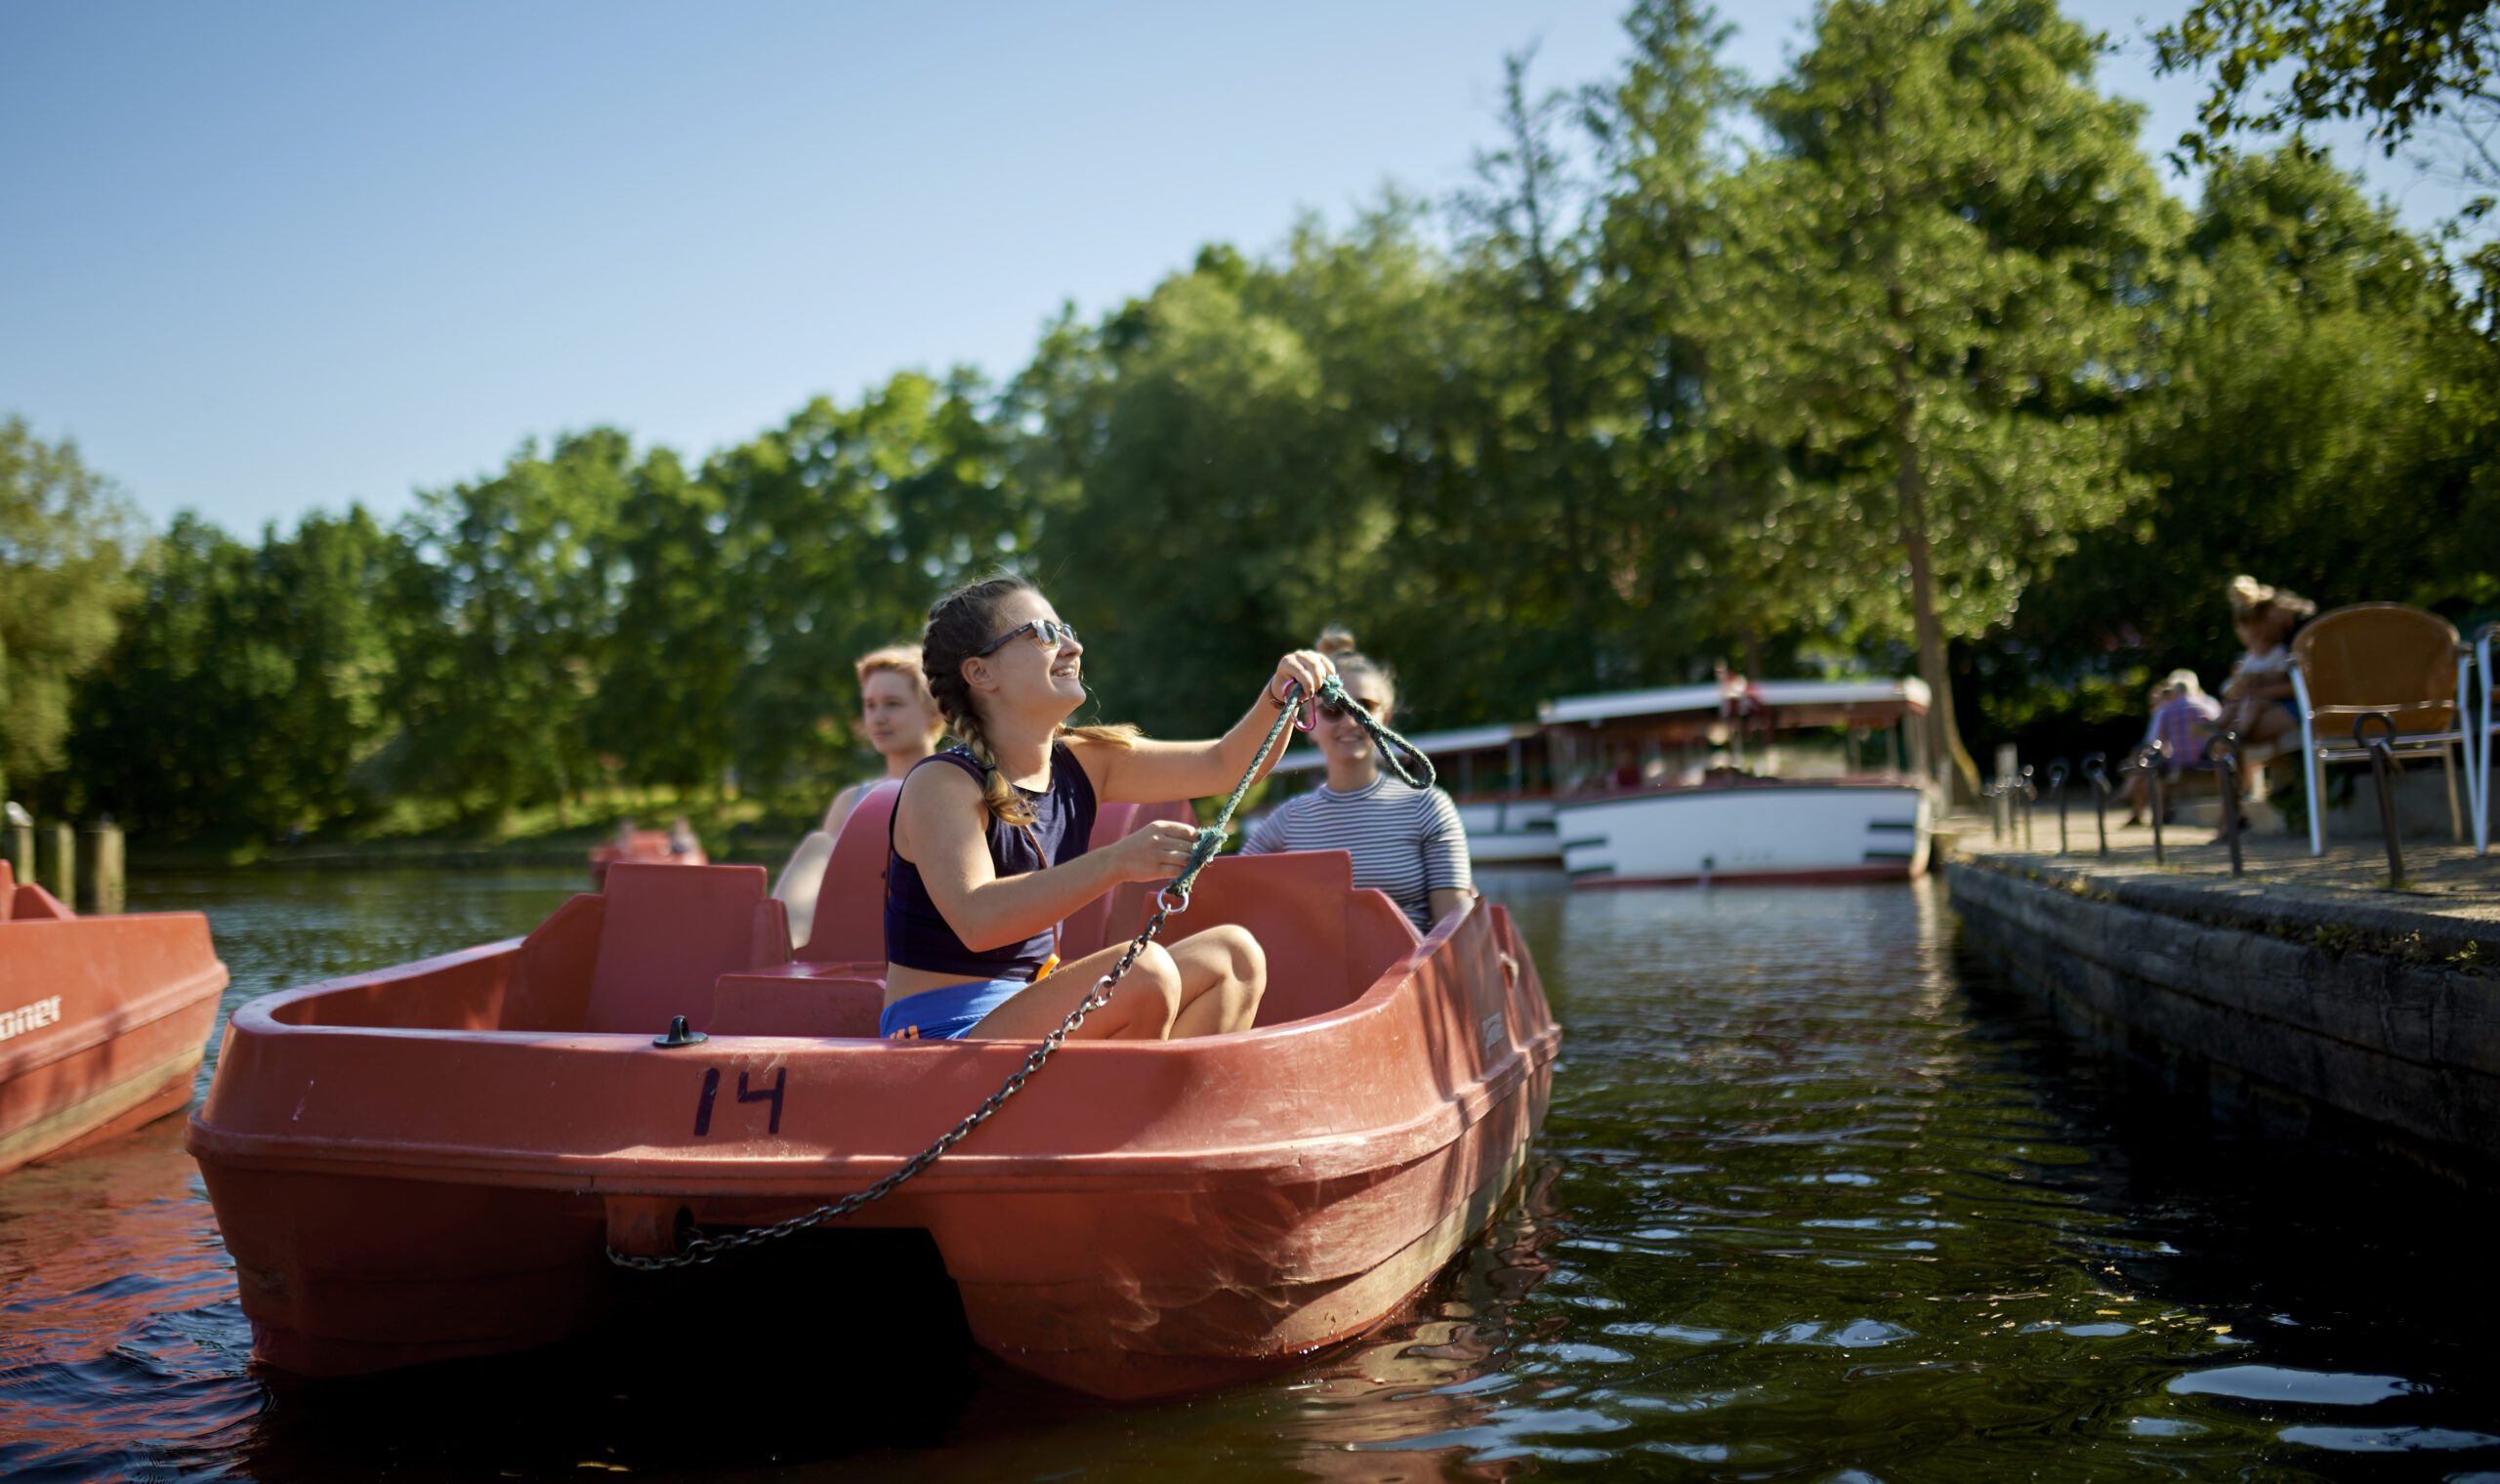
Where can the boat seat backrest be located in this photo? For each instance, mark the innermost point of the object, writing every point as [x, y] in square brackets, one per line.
[1090, 927]
[2379, 657]
[849, 925]
[1325, 942]
[669, 932]
[8, 890]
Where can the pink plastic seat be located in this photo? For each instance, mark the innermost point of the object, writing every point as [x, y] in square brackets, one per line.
[1089, 927]
[849, 925]
[667, 935]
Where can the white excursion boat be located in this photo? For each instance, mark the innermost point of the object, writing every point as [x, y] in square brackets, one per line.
[1724, 782]
[1499, 778]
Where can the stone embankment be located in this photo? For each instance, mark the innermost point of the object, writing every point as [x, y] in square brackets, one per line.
[2312, 978]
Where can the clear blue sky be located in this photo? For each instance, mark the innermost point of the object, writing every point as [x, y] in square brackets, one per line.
[263, 258]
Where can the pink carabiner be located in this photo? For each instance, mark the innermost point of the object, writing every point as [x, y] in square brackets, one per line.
[1304, 717]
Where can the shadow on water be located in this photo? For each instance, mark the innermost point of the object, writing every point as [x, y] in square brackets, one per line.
[1818, 1199]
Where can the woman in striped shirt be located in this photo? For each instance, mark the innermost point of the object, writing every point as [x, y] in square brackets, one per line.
[1406, 842]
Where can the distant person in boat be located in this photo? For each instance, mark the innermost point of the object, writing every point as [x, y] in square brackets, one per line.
[899, 718]
[988, 840]
[681, 839]
[2182, 718]
[1406, 842]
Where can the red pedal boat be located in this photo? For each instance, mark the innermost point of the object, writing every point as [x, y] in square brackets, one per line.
[103, 1020]
[430, 1161]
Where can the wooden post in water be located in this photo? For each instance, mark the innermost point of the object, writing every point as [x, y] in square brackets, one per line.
[100, 878]
[61, 871]
[19, 846]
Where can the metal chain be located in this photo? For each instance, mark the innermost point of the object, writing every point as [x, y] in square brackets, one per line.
[706, 1248]
[1174, 898]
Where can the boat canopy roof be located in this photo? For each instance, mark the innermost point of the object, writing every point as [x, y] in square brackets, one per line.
[1431, 744]
[1790, 703]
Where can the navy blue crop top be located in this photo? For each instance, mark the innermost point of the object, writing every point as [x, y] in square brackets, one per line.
[919, 936]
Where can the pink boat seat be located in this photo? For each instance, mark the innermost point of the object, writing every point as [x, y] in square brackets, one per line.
[1088, 928]
[798, 999]
[668, 934]
[849, 925]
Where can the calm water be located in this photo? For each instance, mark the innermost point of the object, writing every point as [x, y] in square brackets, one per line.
[1815, 1201]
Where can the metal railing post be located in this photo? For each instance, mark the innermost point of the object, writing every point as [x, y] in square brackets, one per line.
[2096, 769]
[2058, 790]
[2152, 760]
[2222, 749]
[2384, 766]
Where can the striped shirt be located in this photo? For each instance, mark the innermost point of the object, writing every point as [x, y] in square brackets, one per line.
[1406, 842]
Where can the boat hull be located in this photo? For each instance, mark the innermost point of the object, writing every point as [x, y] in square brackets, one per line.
[103, 1023]
[1800, 833]
[1142, 1219]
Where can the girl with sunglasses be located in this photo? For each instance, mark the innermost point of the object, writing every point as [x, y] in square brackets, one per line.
[1406, 842]
[987, 850]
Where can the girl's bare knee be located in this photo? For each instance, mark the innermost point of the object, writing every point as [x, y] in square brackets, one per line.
[1248, 961]
[1158, 981]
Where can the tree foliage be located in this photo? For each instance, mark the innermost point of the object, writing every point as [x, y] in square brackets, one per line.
[67, 540]
[2395, 64]
[1903, 358]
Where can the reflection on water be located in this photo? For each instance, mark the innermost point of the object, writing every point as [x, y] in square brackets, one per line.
[1815, 1201]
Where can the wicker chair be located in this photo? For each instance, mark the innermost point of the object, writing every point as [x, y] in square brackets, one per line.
[2382, 657]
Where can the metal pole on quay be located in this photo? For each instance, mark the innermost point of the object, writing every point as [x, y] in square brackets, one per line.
[2095, 767]
[2058, 773]
[2384, 767]
[2222, 749]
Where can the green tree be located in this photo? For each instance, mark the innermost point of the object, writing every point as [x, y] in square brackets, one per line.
[1950, 261]
[503, 609]
[842, 527]
[1214, 508]
[2320, 426]
[245, 691]
[668, 689]
[67, 539]
[2395, 64]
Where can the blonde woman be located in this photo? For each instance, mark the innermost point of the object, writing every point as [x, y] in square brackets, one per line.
[899, 718]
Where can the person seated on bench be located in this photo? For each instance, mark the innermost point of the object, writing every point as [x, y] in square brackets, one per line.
[1406, 842]
[2182, 718]
[987, 842]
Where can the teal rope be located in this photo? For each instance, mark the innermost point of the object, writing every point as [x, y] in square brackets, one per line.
[1331, 691]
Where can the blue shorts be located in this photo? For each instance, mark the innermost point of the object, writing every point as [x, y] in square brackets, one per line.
[948, 1013]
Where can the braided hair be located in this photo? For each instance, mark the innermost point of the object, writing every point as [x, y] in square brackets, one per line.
[959, 625]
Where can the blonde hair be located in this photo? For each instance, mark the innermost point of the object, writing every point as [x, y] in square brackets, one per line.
[894, 659]
[2249, 598]
[1337, 641]
[904, 661]
[959, 625]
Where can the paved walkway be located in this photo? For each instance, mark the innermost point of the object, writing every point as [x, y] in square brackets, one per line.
[2451, 895]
